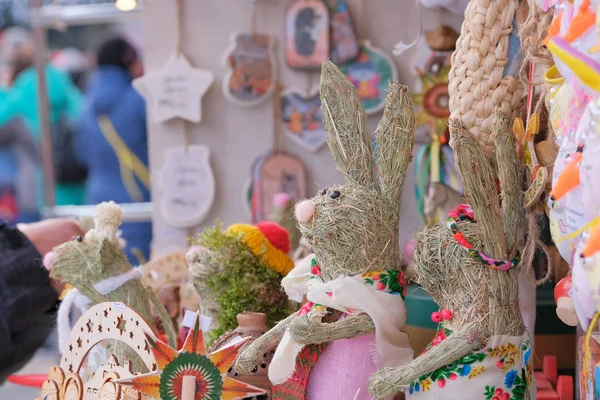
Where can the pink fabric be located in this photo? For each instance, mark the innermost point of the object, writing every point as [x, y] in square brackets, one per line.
[343, 368]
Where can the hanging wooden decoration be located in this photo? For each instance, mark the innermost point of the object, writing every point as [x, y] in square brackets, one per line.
[301, 116]
[538, 174]
[191, 374]
[307, 34]
[187, 184]
[251, 60]
[371, 73]
[437, 183]
[277, 173]
[344, 41]
[175, 91]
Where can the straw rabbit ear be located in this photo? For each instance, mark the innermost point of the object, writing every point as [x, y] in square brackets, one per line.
[509, 173]
[480, 188]
[347, 127]
[395, 137]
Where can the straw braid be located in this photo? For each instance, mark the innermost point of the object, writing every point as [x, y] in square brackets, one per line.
[476, 78]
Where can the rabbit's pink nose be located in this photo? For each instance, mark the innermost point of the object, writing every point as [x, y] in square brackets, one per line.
[305, 211]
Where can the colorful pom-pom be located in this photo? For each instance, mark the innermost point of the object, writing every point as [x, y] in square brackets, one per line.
[436, 317]
[447, 315]
[305, 211]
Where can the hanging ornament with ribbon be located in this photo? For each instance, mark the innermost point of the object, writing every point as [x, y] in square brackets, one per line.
[437, 185]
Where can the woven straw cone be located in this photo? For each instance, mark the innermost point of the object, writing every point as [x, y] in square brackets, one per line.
[476, 81]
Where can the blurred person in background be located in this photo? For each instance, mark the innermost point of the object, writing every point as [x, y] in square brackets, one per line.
[21, 101]
[73, 62]
[111, 132]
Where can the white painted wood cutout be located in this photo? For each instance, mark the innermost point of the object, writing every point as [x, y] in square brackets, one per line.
[187, 184]
[175, 91]
[107, 321]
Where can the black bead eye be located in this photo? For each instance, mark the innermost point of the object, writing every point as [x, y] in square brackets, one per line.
[79, 239]
[323, 192]
[335, 194]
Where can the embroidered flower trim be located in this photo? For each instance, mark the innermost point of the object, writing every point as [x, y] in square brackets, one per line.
[517, 379]
[464, 213]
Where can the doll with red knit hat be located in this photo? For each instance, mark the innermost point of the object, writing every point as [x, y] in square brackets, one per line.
[240, 270]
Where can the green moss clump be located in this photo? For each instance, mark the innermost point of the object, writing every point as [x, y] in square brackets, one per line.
[237, 281]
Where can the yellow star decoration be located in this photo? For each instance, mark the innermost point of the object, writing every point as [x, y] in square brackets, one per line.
[209, 372]
[433, 100]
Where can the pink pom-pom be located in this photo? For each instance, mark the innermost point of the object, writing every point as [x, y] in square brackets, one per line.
[281, 200]
[447, 315]
[436, 317]
[305, 211]
[409, 249]
[48, 260]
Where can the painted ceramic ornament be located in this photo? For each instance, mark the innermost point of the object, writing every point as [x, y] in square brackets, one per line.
[371, 73]
[302, 118]
[252, 67]
[187, 184]
[433, 100]
[307, 34]
[276, 173]
[175, 91]
[344, 41]
[191, 373]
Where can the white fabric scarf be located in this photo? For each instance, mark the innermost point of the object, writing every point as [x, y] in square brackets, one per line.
[349, 295]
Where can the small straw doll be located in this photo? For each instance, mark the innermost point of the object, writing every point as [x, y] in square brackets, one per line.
[469, 265]
[98, 270]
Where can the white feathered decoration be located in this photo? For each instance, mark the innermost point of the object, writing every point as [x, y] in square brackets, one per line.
[455, 6]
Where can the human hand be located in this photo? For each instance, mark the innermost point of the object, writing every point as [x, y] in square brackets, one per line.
[48, 234]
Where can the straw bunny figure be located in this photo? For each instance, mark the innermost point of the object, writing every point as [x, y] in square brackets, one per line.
[352, 285]
[470, 267]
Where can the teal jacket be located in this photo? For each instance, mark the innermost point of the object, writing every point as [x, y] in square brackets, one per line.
[21, 100]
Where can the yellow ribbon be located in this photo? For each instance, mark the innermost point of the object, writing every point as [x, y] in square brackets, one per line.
[131, 166]
[579, 231]
[584, 72]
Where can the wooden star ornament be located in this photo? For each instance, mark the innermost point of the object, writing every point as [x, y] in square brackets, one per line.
[190, 373]
[175, 91]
